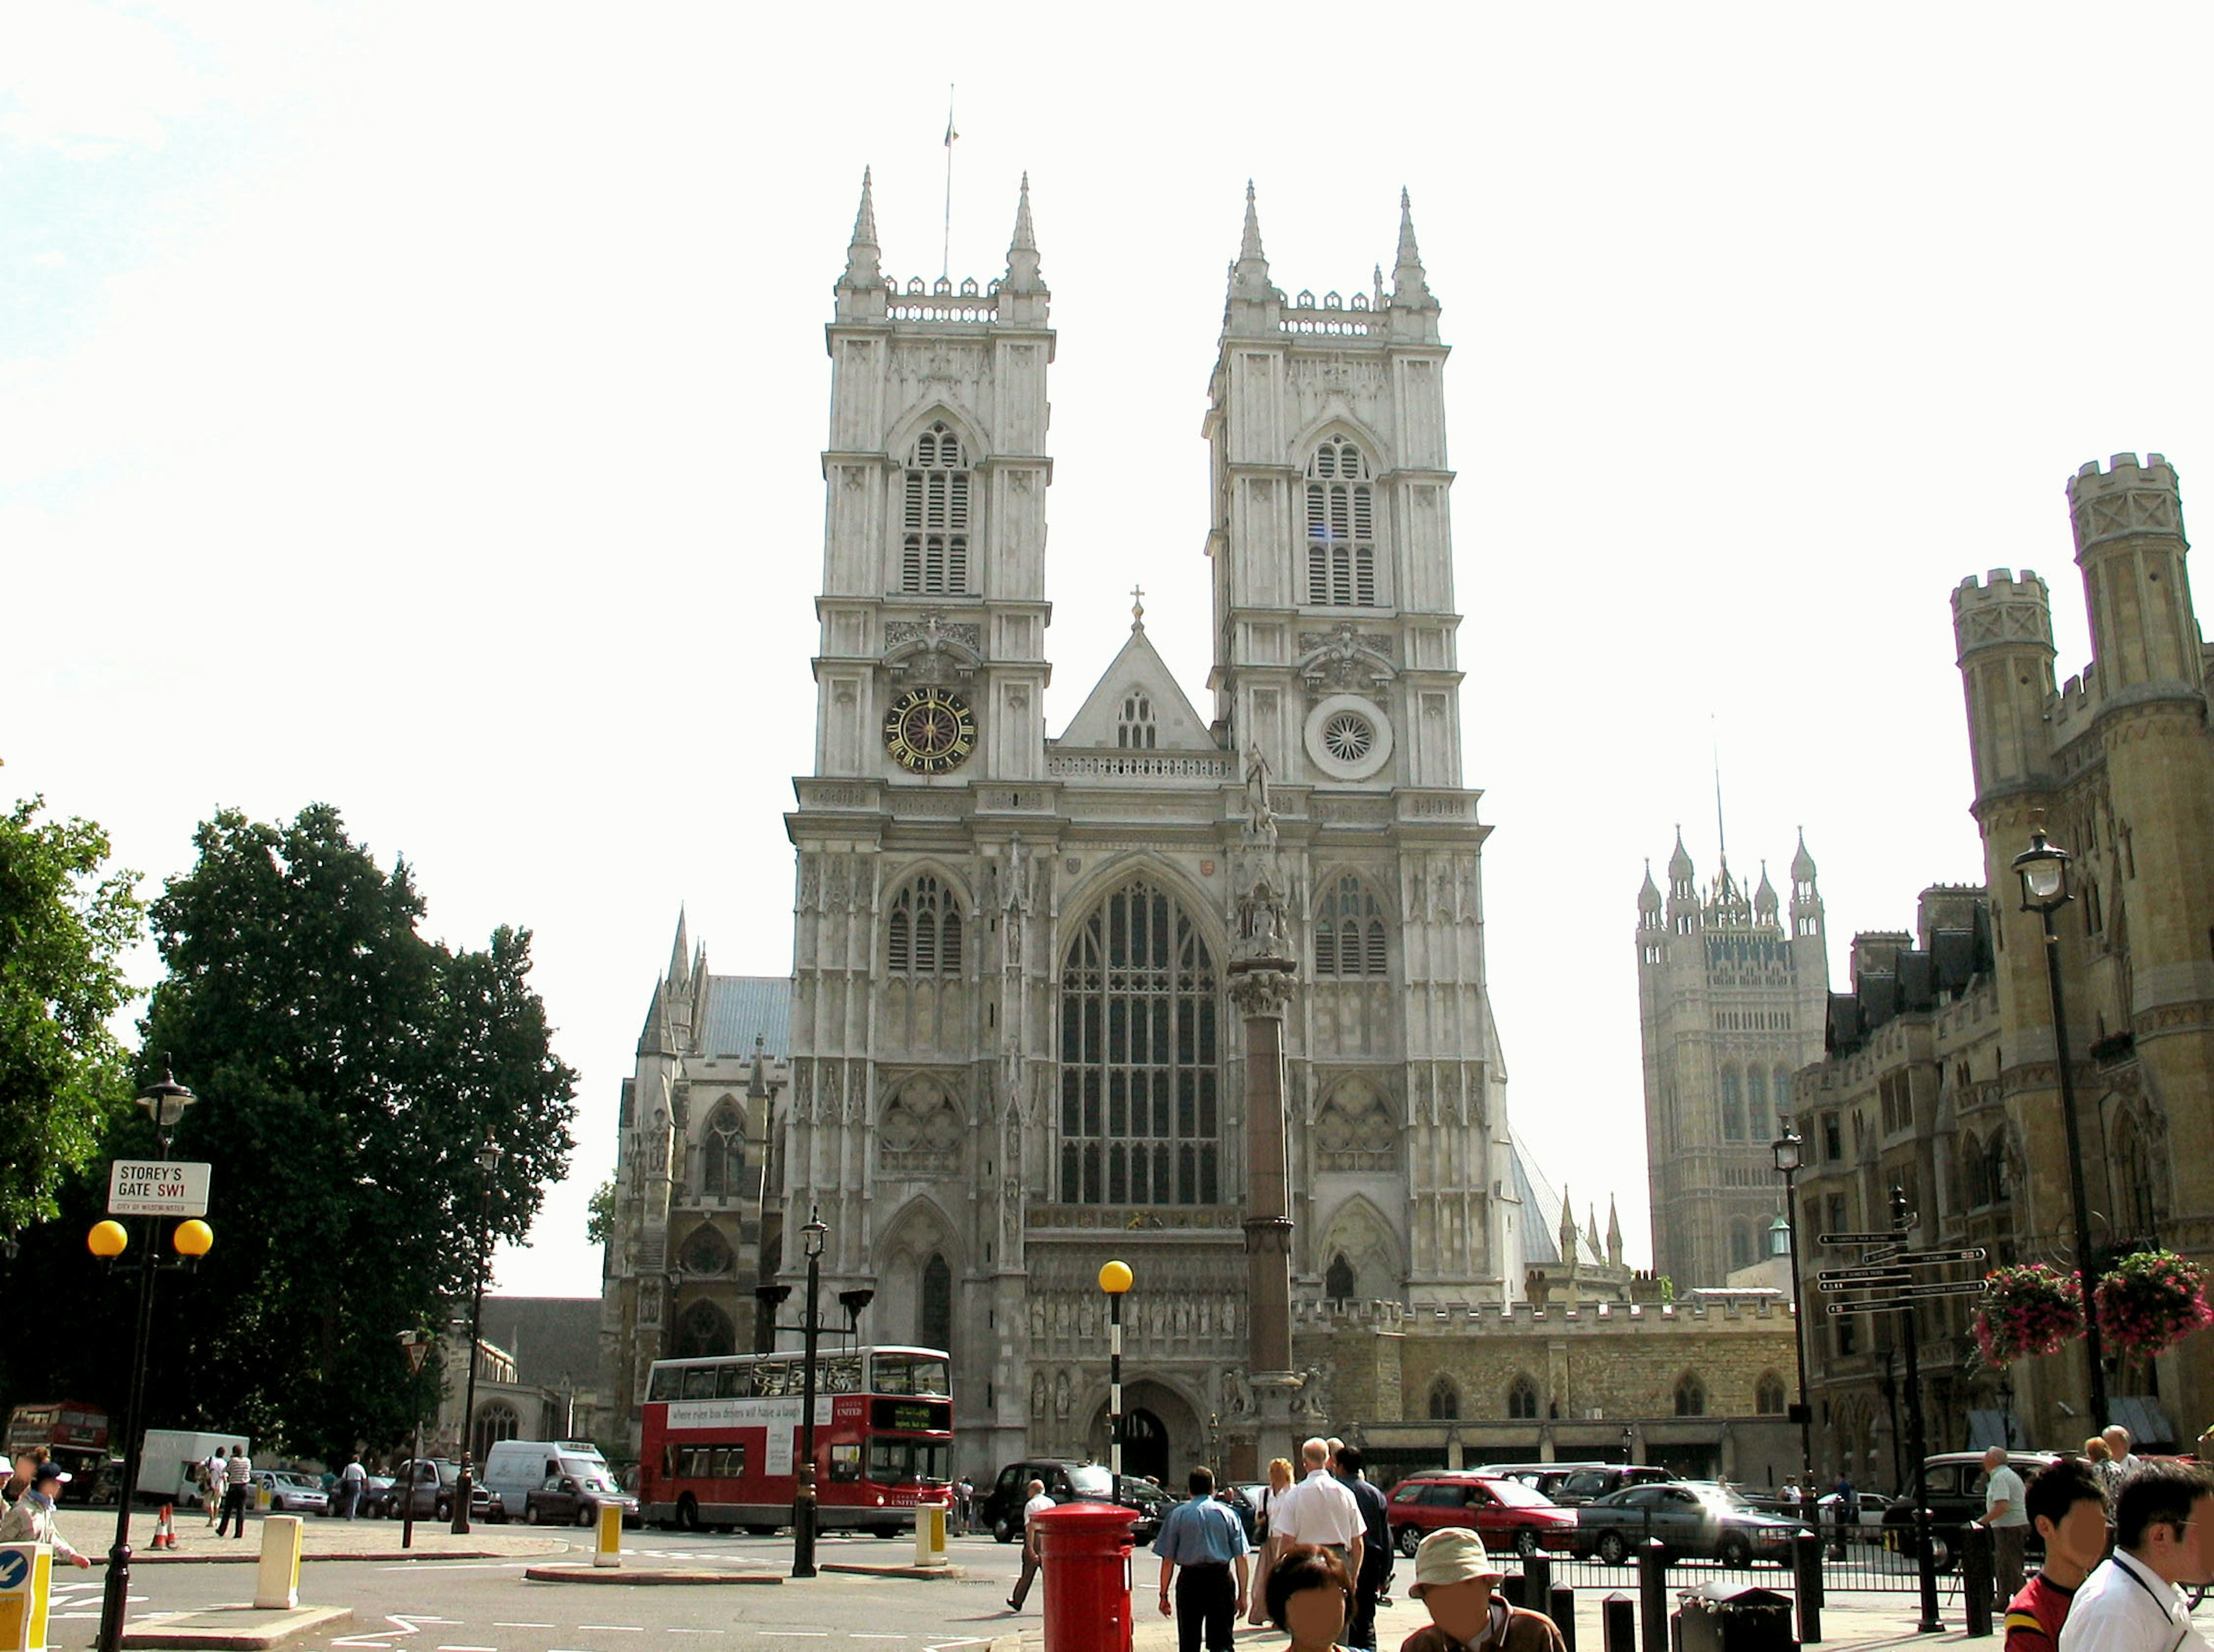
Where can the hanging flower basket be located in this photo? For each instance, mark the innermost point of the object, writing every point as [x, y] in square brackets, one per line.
[2028, 1311]
[2152, 1301]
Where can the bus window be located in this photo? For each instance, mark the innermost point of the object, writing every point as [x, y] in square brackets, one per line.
[668, 1459]
[909, 1374]
[730, 1462]
[734, 1382]
[840, 1375]
[699, 1382]
[845, 1462]
[668, 1383]
[768, 1377]
[903, 1462]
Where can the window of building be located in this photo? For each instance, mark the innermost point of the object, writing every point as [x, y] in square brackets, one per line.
[1139, 1123]
[935, 520]
[1445, 1399]
[723, 1152]
[1759, 1127]
[1768, 1398]
[1742, 1254]
[1136, 728]
[923, 934]
[706, 1252]
[1349, 934]
[703, 1329]
[1341, 528]
[1522, 1398]
[1338, 1283]
[1833, 1141]
[1849, 1334]
[1733, 1106]
[2140, 1211]
[933, 1319]
[496, 1420]
[1691, 1396]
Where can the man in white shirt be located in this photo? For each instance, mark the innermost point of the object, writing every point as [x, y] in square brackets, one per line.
[1320, 1509]
[1031, 1541]
[2007, 1518]
[2119, 1461]
[2163, 1536]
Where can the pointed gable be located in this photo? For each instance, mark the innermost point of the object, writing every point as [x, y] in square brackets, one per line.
[1138, 691]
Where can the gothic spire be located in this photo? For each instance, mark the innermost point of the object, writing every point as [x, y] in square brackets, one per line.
[1249, 276]
[1022, 275]
[1250, 247]
[1410, 285]
[861, 252]
[1802, 863]
[680, 955]
[1613, 1235]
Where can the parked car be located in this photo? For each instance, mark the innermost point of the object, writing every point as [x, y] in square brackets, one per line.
[1585, 1485]
[1507, 1513]
[1689, 1522]
[282, 1492]
[1066, 1480]
[1872, 1506]
[374, 1492]
[567, 1498]
[1539, 1477]
[430, 1485]
[1953, 1487]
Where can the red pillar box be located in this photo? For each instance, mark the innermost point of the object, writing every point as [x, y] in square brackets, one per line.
[1086, 1557]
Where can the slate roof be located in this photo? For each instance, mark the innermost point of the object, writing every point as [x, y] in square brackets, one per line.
[1541, 1215]
[555, 1340]
[739, 1006]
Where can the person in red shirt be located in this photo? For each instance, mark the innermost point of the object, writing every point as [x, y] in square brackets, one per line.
[2067, 1507]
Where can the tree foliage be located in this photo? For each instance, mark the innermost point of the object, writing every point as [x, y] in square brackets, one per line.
[348, 1072]
[600, 1214]
[64, 923]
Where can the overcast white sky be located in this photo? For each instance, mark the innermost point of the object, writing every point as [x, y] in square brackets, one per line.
[416, 407]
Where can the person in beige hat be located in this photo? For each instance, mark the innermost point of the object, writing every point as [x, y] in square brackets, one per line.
[1453, 1578]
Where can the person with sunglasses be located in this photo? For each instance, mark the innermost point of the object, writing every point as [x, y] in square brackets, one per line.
[2134, 1600]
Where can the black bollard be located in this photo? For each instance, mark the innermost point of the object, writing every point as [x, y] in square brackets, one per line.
[1977, 1579]
[1653, 1595]
[1538, 1581]
[1617, 1623]
[1514, 1589]
[1807, 1575]
[1560, 1608]
[1925, 1562]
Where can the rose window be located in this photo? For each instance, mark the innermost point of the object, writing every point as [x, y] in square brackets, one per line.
[1348, 736]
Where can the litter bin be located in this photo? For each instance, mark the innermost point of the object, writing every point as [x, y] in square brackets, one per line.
[1722, 1617]
[1085, 1556]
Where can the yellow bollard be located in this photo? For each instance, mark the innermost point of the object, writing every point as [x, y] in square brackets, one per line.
[277, 1583]
[608, 1551]
[929, 1534]
[26, 1571]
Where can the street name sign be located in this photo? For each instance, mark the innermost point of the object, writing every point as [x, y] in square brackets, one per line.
[1857, 1239]
[1906, 1296]
[1863, 1279]
[1891, 1270]
[1930, 1258]
[157, 1187]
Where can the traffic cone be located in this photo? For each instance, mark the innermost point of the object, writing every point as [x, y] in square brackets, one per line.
[165, 1530]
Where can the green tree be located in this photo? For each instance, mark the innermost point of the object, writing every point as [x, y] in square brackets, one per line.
[600, 1214]
[64, 923]
[348, 1071]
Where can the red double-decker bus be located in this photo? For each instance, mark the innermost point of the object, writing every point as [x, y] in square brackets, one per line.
[720, 1445]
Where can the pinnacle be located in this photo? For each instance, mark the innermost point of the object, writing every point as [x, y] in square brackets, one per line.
[1409, 283]
[1250, 247]
[864, 221]
[1026, 235]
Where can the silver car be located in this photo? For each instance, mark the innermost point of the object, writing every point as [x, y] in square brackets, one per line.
[282, 1492]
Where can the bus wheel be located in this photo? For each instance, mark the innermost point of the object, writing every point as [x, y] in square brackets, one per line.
[761, 1531]
[688, 1514]
[887, 1531]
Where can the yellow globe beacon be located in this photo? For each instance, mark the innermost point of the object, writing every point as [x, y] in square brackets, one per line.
[106, 1240]
[1114, 1278]
[193, 1238]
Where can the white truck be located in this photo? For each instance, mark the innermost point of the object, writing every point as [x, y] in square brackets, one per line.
[169, 1465]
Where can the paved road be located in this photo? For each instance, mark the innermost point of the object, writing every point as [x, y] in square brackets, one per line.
[433, 1605]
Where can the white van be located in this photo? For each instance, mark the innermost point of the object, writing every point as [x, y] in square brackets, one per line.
[169, 1462]
[513, 1469]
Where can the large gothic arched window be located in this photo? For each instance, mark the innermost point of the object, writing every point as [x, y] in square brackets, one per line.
[723, 1153]
[1350, 937]
[934, 1313]
[1522, 1398]
[923, 934]
[1733, 1106]
[703, 1329]
[1341, 528]
[1139, 1119]
[934, 521]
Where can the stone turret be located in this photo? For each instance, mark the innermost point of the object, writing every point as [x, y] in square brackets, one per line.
[2128, 522]
[2002, 639]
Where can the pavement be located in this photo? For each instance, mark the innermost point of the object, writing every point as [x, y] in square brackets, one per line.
[90, 1530]
[430, 1603]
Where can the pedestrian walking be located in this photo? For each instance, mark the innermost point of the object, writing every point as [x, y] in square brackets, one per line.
[31, 1518]
[2008, 1522]
[1280, 1482]
[27, 1464]
[1032, 1540]
[353, 1479]
[1375, 1573]
[210, 1478]
[2068, 1511]
[1200, 1544]
[2132, 1602]
[1319, 1511]
[1309, 1596]
[964, 1505]
[1454, 1580]
[2118, 1460]
[237, 1484]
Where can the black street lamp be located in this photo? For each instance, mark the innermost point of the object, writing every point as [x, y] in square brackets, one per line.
[803, 1502]
[465, 1487]
[1789, 1152]
[165, 1103]
[2043, 869]
[1918, 1449]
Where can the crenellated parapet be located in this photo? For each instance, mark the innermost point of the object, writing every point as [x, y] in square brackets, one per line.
[1704, 1310]
[2124, 500]
[2005, 610]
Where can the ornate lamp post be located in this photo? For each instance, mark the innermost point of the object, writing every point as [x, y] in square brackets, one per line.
[802, 1501]
[1790, 1154]
[2043, 869]
[488, 1157]
[165, 1103]
[1115, 1279]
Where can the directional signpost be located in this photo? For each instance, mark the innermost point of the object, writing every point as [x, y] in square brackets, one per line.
[1885, 1272]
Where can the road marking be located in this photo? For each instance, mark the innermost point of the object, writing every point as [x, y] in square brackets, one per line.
[695, 1631]
[469, 1648]
[857, 1637]
[615, 1629]
[506, 1625]
[795, 1634]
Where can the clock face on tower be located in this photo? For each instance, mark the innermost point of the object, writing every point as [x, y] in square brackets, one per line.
[929, 730]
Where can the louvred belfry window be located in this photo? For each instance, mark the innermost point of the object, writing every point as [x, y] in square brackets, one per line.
[922, 936]
[934, 517]
[1139, 1119]
[1341, 505]
[1349, 934]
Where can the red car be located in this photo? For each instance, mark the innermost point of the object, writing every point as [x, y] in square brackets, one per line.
[1507, 1514]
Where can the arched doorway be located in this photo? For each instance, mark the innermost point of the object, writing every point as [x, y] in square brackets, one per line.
[1146, 1446]
[1162, 1437]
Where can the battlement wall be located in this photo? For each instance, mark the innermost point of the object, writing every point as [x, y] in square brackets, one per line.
[2126, 499]
[2005, 610]
[1709, 1313]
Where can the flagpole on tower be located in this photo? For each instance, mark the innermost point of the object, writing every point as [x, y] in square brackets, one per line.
[945, 264]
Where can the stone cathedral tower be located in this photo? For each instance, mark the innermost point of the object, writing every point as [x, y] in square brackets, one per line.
[1012, 1052]
[1731, 1003]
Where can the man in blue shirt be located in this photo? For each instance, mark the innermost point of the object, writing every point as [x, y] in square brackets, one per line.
[1206, 1539]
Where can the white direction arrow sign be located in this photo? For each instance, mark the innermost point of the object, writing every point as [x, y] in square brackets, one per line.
[157, 1187]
